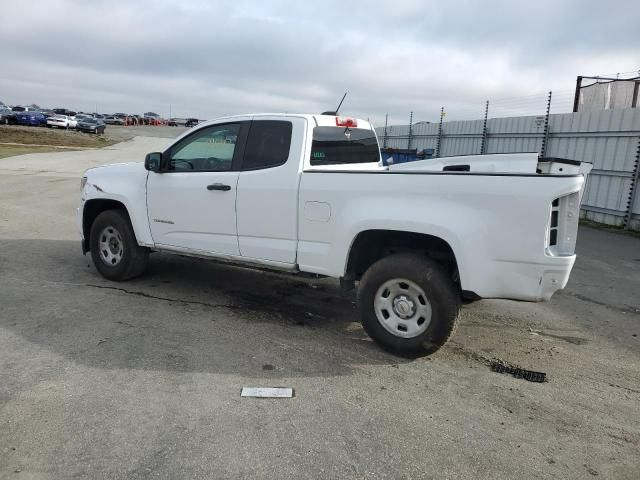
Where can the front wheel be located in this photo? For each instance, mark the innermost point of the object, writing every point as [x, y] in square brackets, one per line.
[114, 249]
[408, 305]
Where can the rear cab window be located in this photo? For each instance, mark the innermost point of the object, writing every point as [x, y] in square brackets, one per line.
[340, 145]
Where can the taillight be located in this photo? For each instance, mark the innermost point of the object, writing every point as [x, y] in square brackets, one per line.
[346, 122]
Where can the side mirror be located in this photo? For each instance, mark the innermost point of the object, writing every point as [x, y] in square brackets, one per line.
[153, 161]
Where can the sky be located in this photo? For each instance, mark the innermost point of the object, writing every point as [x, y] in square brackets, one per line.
[207, 58]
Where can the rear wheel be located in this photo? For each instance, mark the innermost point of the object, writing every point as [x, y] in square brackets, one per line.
[114, 249]
[408, 304]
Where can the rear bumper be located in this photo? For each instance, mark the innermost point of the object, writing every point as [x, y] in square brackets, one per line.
[527, 281]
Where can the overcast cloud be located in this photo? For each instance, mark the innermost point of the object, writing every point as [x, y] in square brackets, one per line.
[208, 58]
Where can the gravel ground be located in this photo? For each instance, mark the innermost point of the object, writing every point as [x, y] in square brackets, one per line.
[142, 379]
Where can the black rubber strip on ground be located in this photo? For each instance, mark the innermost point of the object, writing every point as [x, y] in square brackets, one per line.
[517, 372]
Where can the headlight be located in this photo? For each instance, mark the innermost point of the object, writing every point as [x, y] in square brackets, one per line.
[83, 182]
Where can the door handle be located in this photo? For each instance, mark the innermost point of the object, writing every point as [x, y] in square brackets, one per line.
[219, 186]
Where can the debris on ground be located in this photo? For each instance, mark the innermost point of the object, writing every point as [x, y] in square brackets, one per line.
[267, 392]
[500, 366]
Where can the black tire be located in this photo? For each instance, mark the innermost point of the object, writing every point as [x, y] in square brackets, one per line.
[133, 259]
[442, 294]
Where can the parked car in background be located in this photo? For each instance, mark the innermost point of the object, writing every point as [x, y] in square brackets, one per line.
[19, 108]
[59, 121]
[31, 118]
[114, 120]
[64, 111]
[191, 122]
[7, 116]
[173, 122]
[152, 118]
[133, 120]
[91, 125]
[81, 117]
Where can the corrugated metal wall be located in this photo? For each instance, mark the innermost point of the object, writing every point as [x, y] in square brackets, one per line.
[610, 139]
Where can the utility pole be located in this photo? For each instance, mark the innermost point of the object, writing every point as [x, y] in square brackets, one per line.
[410, 128]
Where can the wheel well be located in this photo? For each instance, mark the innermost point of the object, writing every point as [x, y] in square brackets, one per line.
[372, 245]
[93, 208]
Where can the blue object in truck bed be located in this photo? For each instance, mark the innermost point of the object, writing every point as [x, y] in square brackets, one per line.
[404, 155]
[398, 155]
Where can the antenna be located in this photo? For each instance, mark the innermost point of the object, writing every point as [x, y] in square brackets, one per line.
[339, 105]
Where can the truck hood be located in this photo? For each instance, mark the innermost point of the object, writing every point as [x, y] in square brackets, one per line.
[115, 173]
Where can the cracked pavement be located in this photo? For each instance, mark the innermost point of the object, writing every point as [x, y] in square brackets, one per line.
[142, 379]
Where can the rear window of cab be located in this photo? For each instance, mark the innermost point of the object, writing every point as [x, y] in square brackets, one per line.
[343, 145]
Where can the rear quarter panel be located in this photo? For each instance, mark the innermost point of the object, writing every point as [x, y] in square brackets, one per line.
[486, 219]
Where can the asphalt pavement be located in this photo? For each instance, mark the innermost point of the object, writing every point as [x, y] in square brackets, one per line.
[142, 379]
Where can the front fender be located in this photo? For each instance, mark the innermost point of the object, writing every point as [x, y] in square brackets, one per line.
[125, 183]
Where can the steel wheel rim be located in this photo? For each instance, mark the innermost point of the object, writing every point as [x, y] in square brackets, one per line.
[402, 308]
[111, 246]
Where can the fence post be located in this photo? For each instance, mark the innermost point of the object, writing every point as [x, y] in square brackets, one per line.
[483, 145]
[410, 129]
[384, 138]
[545, 137]
[439, 133]
[634, 99]
[576, 98]
[633, 189]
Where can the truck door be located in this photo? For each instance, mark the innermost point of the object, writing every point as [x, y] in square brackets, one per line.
[267, 203]
[192, 201]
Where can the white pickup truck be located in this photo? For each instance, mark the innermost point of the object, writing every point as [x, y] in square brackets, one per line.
[309, 193]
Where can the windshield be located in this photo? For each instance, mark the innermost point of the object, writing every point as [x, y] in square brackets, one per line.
[338, 145]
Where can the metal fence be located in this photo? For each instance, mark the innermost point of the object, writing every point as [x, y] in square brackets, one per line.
[610, 139]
